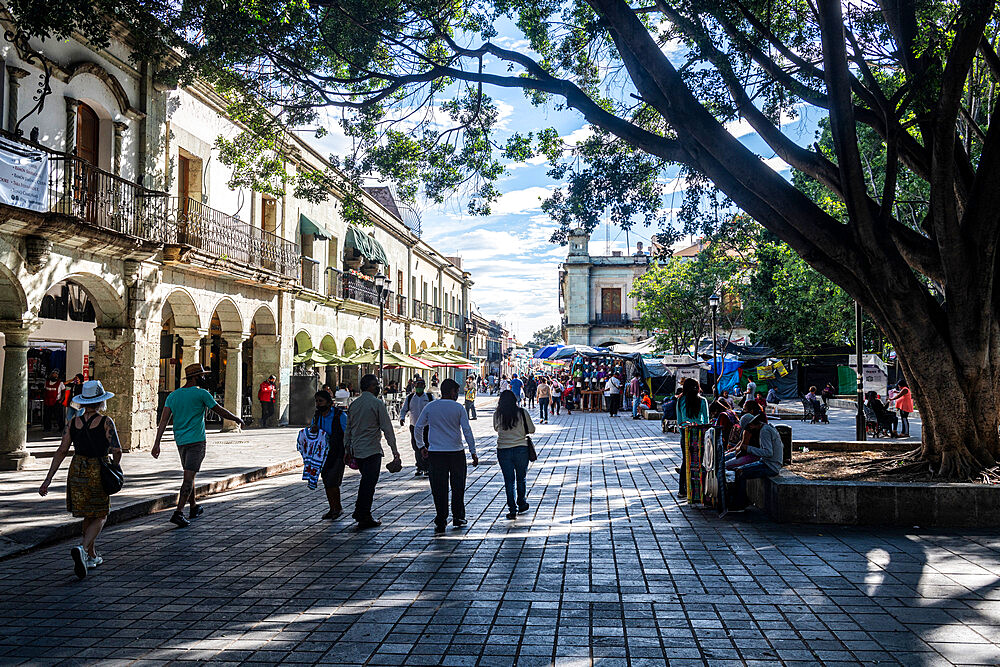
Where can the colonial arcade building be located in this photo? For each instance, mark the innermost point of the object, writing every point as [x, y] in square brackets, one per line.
[125, 256]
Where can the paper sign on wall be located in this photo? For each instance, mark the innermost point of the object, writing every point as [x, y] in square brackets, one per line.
[24, 176]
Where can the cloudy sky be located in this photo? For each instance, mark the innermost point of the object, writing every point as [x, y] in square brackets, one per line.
[514, 266]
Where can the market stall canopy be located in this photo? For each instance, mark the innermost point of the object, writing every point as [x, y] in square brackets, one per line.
[570, 350]
[307, 226]
[451, 355]
[365, 245]
[647, 346]
[390, 359]
[319, 358]
[548, 351]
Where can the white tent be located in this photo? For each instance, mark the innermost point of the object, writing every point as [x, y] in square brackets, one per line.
[647, 346]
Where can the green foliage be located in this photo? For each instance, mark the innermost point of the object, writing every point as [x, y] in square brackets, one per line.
[545, 336]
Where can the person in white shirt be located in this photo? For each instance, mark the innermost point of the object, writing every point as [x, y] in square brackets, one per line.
[342, 396]
[613, 394]
[439, 431]
[413, 406]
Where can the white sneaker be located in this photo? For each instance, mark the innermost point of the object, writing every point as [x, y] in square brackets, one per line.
[95, 561]
[80, 561]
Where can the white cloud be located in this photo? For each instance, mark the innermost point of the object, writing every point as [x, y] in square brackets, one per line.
[777, 164]
[521, 201]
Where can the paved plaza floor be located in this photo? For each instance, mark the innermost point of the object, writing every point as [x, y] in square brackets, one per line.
[608, 567]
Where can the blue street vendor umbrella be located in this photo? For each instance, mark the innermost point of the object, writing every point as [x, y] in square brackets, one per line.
[548, 351]
[568, 351]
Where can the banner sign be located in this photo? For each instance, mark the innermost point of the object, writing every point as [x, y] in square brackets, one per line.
[24, 176]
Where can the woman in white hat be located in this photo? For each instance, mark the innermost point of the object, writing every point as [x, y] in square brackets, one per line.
[93, 437]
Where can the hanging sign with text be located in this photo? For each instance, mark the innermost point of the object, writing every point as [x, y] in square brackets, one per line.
[24, 176]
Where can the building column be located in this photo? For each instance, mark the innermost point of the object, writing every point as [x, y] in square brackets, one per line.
[233, 398]
[266, 361]
[14, 407]
[126, 361]
[69, 143]
[14, 76]
[120, 128]
[190, 345]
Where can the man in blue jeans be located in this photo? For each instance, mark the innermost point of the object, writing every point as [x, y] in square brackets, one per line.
[635, 388]
[760, 454]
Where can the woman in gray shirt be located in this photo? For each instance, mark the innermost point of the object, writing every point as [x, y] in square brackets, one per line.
[513, 424]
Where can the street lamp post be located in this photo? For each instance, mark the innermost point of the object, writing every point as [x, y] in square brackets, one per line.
[714, 301]
[382, 285]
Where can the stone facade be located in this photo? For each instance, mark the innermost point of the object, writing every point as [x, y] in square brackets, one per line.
[594, 296]
[157, 264]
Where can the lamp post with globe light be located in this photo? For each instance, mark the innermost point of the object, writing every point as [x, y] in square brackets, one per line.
[714, 301]
[382, 285]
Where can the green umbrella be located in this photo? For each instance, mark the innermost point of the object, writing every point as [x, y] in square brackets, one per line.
[389, 359]
[318, 358]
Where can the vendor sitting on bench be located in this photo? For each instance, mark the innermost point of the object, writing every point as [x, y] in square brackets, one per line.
[759, 454]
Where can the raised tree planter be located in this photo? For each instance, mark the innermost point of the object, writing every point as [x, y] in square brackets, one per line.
[788, 498]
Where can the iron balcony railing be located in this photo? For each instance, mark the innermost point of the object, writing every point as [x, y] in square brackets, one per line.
[612, 318]
[420, 311]
[309, 273]
[401, 305]
[334, 283]
[360, 290]
[437, 315]
[79, 189]
[216, 233]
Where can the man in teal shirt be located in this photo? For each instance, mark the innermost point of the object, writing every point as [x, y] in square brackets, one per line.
[187, 406]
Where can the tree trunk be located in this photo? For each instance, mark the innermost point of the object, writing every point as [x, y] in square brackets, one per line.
[959, 407]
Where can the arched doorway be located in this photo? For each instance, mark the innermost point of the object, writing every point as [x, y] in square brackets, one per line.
[181, 333]
[261, 359]
[330, 373]
[350, 374]
[223, 360]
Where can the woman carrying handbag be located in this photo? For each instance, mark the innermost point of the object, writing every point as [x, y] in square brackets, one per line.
[92, 476]
[514, 449]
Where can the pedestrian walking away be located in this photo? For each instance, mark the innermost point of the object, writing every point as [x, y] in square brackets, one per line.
[513, 425]
[186, 408]
[530, 389]
[412, 406]
[332, 420]
[544, 395]
[367, 421]
[266, 395]
[613, 394]
[440, 429]
[471, 392]
[517, 386]
[93, 436]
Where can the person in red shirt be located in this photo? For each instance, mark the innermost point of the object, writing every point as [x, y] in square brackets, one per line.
[266, 395]
[53, 399]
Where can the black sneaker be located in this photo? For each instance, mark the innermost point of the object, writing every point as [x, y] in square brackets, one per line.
[460, 523]
[523, 508]
[79, 562]
[331, 515]
[438, 528]
[196, 512]
[418, 472]
[370, 523]
[179, 520]
[511, 515]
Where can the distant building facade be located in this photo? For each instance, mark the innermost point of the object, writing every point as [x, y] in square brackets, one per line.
[594, 296]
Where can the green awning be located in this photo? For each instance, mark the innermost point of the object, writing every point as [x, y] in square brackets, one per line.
[366, 246]
[307, 226]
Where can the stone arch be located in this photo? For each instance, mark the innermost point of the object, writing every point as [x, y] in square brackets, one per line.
[397, 348]
[302, 341]
[423, 345]
[264, 322]
[108, 302]
[183, 307]
[328, 344]
[229, 316]
[13, 300]
[112, 84]
[349, 346]
[368, 344]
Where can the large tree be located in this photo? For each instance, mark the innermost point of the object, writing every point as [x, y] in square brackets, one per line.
[659, 80]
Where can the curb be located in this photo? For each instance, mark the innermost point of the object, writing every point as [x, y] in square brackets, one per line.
[140, 508]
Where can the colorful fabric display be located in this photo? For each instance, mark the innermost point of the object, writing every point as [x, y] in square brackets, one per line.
[314, 448]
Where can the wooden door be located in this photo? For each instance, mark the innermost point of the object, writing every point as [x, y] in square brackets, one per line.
[611, 303]
[87, 149]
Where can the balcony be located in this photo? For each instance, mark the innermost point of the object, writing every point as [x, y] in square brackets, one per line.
[97, 201]
[334, 283]
[360, 290]
[226, 239]
[420, 311]
[309, 273]
[612, 319]
[400, 305]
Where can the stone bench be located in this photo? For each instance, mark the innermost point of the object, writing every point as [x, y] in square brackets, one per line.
[789, 498]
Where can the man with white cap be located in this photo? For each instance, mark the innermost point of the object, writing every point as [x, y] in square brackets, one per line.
[187, 407]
